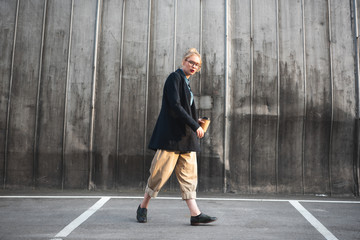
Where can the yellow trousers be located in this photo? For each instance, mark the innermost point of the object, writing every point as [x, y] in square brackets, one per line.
[162, 166]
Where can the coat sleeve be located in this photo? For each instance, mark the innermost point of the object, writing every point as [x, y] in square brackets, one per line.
[172, 95]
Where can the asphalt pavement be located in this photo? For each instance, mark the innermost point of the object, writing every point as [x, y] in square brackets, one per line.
[111, 215]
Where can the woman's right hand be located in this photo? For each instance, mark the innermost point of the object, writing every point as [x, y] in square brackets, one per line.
[200, 132]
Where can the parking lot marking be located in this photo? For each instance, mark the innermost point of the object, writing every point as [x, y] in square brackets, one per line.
[311, 219]
[82, 218]
[179, 198]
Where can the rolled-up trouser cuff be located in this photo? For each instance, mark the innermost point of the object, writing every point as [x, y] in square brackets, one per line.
[151, 192]
[188, 195]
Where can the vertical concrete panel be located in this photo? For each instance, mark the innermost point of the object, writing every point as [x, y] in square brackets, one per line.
[107, 94]
[356, 21]
[161, 61]
[133, 95]
[344, 98]
[188, 34]
[211, 163]
[291, 97]
[79, 95]
[161, 55]
[240, 75]
[318, 98]
[7, 33]
[24, 94]
[265, 102]
[52, 94]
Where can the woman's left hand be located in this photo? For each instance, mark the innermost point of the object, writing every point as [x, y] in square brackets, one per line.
[200, 132]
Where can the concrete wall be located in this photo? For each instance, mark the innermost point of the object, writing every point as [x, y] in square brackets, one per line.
[81, 86]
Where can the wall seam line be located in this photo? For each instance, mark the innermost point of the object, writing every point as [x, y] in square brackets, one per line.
[200, 76]
[63, 157]
[356, 170]
[305, 97]
[147, 87]
[251, 92]
[175, 32]
[93, 95]
[226, 108]
[35, 143]
[332, 97]
[119, 96]
[278, 96]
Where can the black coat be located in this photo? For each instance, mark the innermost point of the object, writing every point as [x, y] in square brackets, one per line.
[176, 126]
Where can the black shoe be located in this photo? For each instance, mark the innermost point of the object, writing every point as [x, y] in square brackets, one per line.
[202, 218]
[141, 215]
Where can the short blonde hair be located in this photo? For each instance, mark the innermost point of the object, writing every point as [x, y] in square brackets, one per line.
[190, 52]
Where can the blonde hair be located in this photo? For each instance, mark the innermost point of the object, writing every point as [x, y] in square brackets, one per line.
[190, 52]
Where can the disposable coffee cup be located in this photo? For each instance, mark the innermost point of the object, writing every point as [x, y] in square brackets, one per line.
[205, 124]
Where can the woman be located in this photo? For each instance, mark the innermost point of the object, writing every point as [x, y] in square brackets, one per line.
[175, 139]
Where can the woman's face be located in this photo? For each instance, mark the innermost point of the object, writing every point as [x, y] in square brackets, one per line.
[191, 65]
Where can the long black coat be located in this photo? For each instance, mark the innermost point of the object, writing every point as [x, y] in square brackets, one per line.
[176, 126]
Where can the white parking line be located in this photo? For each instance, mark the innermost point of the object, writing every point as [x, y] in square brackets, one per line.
[311, 219]
[178, 198]
[82, 218]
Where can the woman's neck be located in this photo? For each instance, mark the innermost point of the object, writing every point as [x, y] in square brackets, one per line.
[187, 76]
